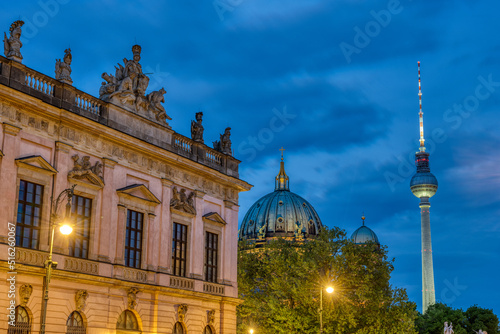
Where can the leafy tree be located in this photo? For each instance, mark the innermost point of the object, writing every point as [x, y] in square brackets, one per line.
[432, 322]
[479, 318]
[280, 286]
[468, 322]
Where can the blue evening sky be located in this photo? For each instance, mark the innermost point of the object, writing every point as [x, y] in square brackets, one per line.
[335, 83]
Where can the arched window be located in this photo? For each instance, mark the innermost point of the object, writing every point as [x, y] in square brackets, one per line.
[178, 329]
[75, 324]
[208, 330]
[23, 323]
[127, 323]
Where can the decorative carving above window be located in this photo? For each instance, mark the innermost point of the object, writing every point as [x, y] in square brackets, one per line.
[211, 317]
[25, 293]
[132, 298]
[85, 171]
[182, 202]
[182, 310]
[81, 299]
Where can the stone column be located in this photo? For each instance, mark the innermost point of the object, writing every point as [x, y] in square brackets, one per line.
[106, 238]
[165, 228]
[198, 238]
[120, 234]
[8, 177]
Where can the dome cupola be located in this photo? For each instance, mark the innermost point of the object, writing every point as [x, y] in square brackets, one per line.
[364, 234]
[281, 213]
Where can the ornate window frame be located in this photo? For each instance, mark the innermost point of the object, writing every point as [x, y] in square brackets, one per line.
[214, 223]
[37, 170]
[139, 198]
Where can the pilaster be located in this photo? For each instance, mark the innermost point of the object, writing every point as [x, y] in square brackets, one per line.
[108, 217]
[165, 228]
[120, 234]
[8, 177]
[198, 238]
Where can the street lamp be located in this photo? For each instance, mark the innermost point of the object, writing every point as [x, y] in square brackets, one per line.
[329, 289]
[251, 331]
[65, 229]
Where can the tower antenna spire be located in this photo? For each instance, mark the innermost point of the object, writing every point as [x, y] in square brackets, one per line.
[420, 113]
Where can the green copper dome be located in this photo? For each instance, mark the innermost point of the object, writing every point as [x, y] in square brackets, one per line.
[281, 213]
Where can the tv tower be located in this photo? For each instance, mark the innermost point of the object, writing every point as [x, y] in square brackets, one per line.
[424, 185]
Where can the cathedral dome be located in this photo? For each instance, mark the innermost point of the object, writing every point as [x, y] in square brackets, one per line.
[281, 213]
[364, 234]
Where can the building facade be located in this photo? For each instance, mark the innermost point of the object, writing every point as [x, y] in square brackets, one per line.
[154, 213]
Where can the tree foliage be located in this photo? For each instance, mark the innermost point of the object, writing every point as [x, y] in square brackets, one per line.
[280, 286]
[468, 322]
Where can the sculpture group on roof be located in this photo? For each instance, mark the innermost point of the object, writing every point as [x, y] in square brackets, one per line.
[128, 86]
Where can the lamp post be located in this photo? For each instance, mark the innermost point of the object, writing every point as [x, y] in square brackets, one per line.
[251, 331]
[329, 289]
[65, 229]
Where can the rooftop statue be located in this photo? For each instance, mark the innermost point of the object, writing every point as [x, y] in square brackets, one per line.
[197, 128]
[12, 45]
[128, 86]
[63, 68]
[224, 145]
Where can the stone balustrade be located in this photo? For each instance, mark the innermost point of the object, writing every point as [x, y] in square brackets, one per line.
[67, 97]
[88, 103]
[183, 145]
[39, 83]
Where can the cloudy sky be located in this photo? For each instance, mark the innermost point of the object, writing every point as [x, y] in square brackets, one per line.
[335, 83]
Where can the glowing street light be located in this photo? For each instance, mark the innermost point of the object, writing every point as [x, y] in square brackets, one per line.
[329, 289]
[65, 229]
[251, 331]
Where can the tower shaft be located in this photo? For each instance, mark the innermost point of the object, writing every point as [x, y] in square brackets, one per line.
[424, 185]
[428, 292]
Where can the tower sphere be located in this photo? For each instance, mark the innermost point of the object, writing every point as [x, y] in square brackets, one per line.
[423, 184]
